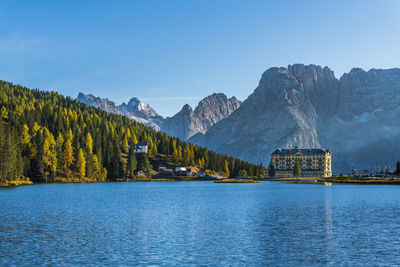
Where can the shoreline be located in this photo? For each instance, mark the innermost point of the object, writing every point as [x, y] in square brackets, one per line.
[303, 180]
[16, 183]
[338, 180]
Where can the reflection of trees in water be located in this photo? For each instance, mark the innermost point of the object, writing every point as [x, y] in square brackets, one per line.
[328, 223]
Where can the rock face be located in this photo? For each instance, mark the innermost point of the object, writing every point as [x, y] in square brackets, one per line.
[365, 132]
[135, 109]
[188, 122]
[357, 117]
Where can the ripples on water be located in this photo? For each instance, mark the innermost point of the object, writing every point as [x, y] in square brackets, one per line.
[199, 223]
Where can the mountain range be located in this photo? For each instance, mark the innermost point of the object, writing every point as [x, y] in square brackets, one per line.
[355, 116]
[135, 109]
[183, 125]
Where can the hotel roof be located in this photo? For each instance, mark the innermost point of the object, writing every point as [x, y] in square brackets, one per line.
[301, 150]
[141, 144]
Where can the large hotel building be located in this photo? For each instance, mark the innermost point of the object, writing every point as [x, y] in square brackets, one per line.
[313, 162]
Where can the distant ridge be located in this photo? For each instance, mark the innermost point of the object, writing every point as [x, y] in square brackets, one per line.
[135, 109]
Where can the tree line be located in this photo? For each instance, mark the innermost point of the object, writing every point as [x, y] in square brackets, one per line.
[46, 136]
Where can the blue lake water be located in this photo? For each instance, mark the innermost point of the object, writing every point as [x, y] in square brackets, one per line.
[199, 223]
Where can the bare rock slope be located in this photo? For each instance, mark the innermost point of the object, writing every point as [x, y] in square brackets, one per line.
[357, 117]
[188, 122]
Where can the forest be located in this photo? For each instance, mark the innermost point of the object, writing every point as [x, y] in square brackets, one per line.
[46, 137]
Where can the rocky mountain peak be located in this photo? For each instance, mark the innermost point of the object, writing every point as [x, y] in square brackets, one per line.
[141, 109]
[187, 109]
[135, 110]
[356, 117]
[311, 72]
[209, 111]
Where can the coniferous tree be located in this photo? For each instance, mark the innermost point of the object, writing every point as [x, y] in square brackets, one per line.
[96, 169]
[81, 164]
[297, 169]
[116, 170]
[143, 162]
[49, 155]
[36, 169]
[271, 169]
[8, 154]
[89, 156]
[398, 167]
[132, 164]
[34, 118]
[67, 157]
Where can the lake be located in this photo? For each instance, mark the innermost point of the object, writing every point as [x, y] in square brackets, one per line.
[199, 223]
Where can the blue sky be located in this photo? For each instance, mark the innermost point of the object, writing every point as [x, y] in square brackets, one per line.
[169, 53]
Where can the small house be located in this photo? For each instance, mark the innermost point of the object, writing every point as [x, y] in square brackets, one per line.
[190, 171]
[180, 171]
[141, 147]
[165, 171]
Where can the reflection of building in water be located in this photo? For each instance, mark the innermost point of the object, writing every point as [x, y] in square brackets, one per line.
[313, 162]
[328, 210]
[328, 223]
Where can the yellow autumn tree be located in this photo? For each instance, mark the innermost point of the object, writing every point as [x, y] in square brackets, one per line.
[89, 143]
[67, 157]
[81, 164]
[96, 168]
[226, 169]
[26, 138]
[49, 154]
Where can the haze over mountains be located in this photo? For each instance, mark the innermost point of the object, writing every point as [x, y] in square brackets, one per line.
[356, 117]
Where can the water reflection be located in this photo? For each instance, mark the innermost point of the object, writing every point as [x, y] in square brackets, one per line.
[328, 222]
[199, 223]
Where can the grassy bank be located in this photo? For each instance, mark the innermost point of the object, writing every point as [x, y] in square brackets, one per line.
[363, 181]
[15, 183]
[222, 181]
[338, 180]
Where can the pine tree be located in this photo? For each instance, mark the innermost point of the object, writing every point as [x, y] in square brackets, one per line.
[271, 169]
[25, 142]
[81, 164]
[89, 156]
[49, 155]
[175, 151]
[131, 165]
[36, 168]
[134, 139]
[116, 170]
[297, 169]
[398, 167]
[59, 149]
[143, 163]
[125, 145]
[186, 155]
[96, 168]
[25, 137]
[180, 154]
[67, 157]
[89, 143]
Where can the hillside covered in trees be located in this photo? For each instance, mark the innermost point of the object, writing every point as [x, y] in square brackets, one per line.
[48, 137]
